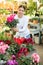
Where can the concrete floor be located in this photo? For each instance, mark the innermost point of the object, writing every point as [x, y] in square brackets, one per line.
[39, 49]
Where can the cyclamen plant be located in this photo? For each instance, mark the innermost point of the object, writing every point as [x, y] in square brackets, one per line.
[11, 21]
[12, 61]
[35, 58]
[3, 47]
[3, 50]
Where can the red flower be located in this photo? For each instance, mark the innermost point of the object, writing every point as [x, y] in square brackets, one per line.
[19, 41]
[1, 41]
[8, 42]
[26, 53]
[23, 51]
[19, 54]
[29, 41]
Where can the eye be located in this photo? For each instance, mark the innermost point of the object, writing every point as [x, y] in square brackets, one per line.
[21, 10]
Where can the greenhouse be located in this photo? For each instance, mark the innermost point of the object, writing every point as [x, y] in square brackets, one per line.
[21, 32]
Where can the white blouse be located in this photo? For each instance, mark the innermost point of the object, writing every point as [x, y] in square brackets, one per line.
[22, 26]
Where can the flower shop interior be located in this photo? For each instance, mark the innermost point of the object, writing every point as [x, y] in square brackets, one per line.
[20, 51]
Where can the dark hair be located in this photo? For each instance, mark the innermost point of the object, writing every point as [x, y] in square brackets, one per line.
[21, 6]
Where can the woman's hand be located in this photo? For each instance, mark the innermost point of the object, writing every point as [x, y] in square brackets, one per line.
[15, 29]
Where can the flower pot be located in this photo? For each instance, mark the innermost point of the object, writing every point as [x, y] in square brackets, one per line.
[35, 21]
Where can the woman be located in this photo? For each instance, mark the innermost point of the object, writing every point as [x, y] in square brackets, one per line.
[22, 27]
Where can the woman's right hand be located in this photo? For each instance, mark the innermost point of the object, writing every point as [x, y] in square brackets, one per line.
[15, 29]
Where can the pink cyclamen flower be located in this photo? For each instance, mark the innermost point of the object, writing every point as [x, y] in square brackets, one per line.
[3, 48]
[1, 42]
[10, 18]
[2, 51]
[35, 57]
[12, 62]
[13, 57]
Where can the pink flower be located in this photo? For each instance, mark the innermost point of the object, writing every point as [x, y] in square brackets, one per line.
[10, 18]
[3, 48]
[1, 43]
[12, 62]
[2, 51]
[35, 57]
[13, 57]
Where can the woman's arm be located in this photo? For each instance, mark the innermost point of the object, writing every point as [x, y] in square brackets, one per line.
[15, 29]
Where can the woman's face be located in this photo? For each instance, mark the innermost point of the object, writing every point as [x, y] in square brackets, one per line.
[21, 11]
